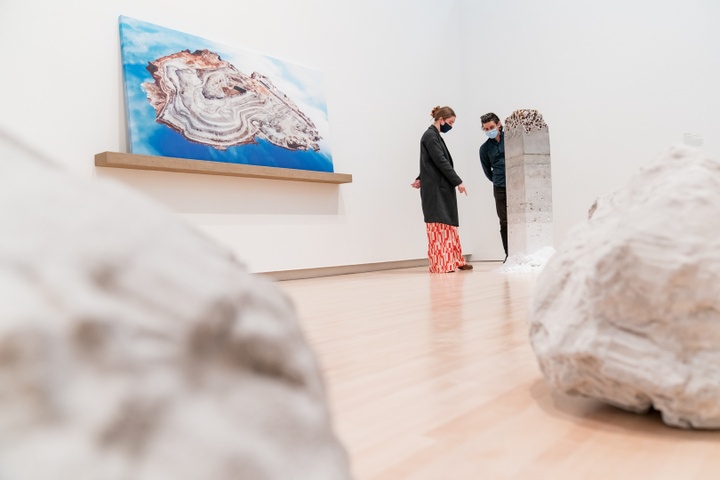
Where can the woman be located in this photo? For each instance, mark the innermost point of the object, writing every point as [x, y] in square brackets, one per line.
[437, 182]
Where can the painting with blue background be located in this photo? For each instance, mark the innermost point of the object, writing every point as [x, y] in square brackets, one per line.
[142, 42]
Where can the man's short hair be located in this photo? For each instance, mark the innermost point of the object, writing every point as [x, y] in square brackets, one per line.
[489, 117]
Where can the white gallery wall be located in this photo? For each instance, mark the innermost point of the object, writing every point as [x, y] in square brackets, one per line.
[616, 81]
[384, 70]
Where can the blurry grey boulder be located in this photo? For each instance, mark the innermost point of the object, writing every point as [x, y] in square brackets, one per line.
[133, 348]
[627, 311]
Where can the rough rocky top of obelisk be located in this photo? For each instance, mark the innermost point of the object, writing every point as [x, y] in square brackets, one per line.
[134, 348]
[628, 309]
[524, 121]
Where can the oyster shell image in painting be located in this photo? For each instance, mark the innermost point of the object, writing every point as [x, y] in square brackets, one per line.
[209, 101]
[193, 98]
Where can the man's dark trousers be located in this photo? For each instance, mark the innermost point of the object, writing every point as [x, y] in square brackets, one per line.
[501, 208]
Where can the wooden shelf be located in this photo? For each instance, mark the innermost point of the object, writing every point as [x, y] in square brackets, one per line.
[183, 165]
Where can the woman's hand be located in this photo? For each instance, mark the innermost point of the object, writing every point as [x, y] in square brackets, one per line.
[462, 189]
[415, 184]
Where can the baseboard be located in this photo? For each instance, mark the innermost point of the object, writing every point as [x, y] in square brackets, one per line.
[344, 269]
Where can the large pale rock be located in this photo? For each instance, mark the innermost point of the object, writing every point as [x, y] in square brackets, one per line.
[133, 348]
[628, 309]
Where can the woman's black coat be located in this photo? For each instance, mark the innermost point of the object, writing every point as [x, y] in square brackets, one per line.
[437, 180]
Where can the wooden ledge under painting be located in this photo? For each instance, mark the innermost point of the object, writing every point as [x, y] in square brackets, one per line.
[225, 109]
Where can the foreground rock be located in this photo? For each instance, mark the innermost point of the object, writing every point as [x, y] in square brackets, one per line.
[133, 348]
[628, 309]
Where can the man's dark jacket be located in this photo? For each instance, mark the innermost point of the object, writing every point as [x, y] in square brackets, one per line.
[492, 159]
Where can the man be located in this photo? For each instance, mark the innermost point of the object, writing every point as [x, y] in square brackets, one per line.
[492, 158]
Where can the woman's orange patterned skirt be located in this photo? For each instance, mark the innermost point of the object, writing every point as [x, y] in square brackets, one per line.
[444, 251]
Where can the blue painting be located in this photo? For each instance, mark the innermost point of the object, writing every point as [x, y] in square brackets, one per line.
[188, 97]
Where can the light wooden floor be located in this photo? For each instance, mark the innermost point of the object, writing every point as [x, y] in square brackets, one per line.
[432, 377]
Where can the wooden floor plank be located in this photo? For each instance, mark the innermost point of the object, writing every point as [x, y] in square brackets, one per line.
[433, 377]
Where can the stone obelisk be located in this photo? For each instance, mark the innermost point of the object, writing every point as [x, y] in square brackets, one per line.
[528, 182]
